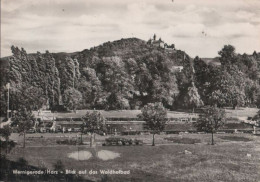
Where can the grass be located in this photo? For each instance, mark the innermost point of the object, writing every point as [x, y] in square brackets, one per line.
[236, 138]
[182, 140]
[241, 112]
[225, 161]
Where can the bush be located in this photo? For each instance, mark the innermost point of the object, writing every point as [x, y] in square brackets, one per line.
[22, 163]
[121, 141]
[130, 132]
[138, 142]
[236, 138]
[66, 142]
[3, 145]
[58, 166]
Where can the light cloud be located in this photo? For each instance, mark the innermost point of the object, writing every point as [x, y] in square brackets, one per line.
[200, 27]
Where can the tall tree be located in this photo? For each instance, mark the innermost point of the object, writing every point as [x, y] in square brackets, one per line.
[192, 98]
[37, 73]
[202, 79]
[25, 120]
[211, 120]
[155, 117]
[112, 73]
[69, 73]
[90, 86]
[32, 98]
[228, 88]
[227, 55]
[26, 96]
[93, 122]
[72, 98]
[155, 78]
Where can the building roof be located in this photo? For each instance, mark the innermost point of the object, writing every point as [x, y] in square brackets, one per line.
[212, 61]
[158, 41]
[107, 114]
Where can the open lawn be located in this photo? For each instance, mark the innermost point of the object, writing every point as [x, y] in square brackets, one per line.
[234, 157]
[241, 112]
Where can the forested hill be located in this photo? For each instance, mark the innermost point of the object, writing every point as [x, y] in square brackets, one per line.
[123, 74]
[126, 74]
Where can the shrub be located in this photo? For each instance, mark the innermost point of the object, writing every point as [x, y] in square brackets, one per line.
[66, 142]
[22, 163]
[121, 141]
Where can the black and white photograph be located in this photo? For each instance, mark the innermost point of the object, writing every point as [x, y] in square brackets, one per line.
[130, 91]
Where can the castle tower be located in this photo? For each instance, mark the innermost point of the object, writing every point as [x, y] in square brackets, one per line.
[154, 37]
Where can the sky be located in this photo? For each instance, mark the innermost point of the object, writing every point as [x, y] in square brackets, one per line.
[198, 27]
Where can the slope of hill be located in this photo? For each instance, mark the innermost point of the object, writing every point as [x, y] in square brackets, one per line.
[124, 74]
[127, 74]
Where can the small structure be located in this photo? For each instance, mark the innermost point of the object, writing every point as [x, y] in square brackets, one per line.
[187, 152]
[53, 127]
[254, 132]
[178, 68]
[8, 122]
[156, 43]
[169, 47]
[160, 43]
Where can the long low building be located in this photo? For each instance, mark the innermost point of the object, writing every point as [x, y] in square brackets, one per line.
[120, 115]
[121, 120]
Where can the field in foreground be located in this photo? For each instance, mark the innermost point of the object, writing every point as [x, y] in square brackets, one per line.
[235, 157]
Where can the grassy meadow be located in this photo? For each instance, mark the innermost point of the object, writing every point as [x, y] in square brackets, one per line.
[176, 157]
[234, 157]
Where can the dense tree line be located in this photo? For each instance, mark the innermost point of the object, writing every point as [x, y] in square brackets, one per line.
[234, 83]
[128, 74]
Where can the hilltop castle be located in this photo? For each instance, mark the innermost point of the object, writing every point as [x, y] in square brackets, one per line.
[160, 43]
